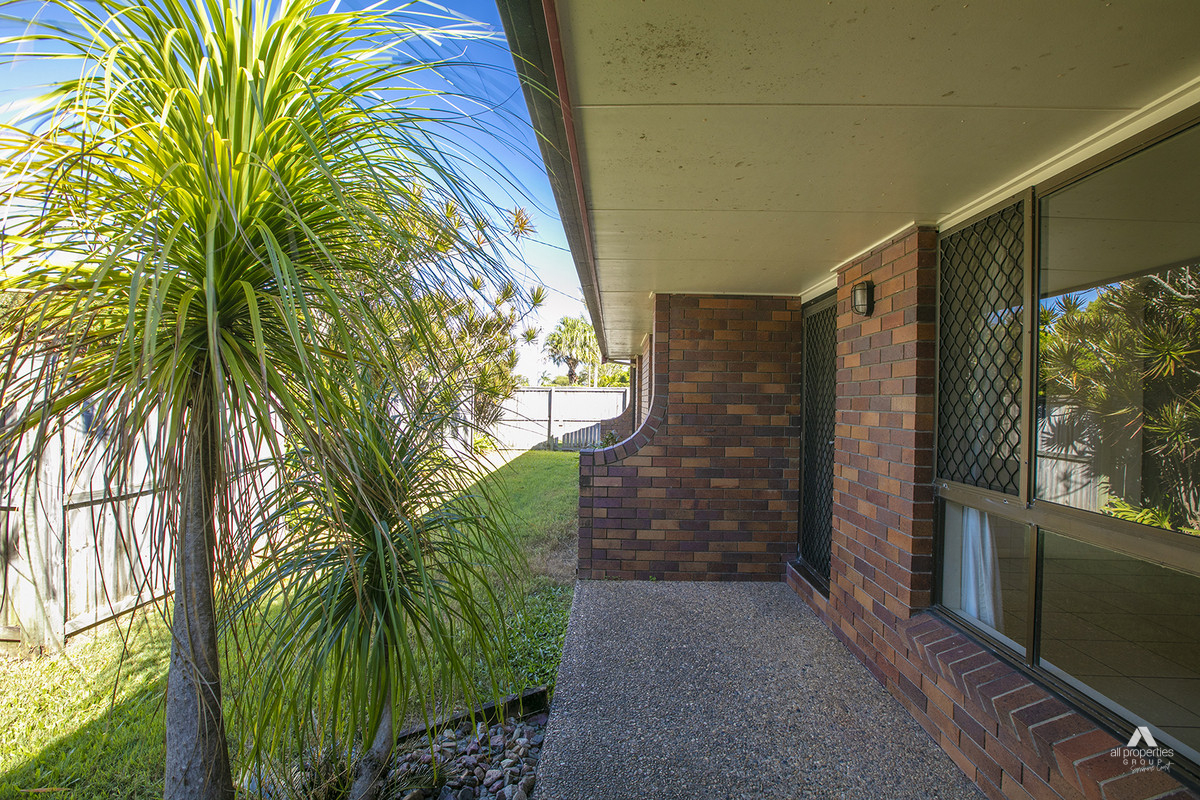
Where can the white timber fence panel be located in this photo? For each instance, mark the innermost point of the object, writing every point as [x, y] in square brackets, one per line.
[78, 551]
[557, 416]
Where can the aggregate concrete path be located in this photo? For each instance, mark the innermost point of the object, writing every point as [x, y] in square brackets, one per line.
[724, 690]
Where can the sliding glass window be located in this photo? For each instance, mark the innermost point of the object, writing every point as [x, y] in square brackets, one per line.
[1079, 551]
[1119, 338]
[1124, 631]
[1118, 431]
[985, 571]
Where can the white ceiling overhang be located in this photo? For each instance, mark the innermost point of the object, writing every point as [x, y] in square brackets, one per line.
[753, 147]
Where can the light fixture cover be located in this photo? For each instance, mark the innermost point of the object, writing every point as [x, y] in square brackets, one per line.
[862, 298]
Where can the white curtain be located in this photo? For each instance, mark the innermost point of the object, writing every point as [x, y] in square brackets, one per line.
[980, 572]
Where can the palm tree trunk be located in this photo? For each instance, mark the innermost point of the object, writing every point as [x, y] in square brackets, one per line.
[373, 765]
[197, 756]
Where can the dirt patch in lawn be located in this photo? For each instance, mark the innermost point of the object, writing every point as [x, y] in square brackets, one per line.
[558, 564]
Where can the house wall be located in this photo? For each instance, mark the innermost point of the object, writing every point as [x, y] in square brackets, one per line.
[1014, 738]
[635, 398]
[707, 486]
[622, 424]
[645, 370]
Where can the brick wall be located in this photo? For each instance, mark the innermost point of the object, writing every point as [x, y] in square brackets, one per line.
[645, 371]
[1014, 738]
[883, 504]
[635, 401]
[622, 424]
[707, 487]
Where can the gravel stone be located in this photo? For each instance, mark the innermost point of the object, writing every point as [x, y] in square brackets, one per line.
[465, 759]
[674, 690]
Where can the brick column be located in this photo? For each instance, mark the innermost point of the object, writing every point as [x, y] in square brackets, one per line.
[883, 505]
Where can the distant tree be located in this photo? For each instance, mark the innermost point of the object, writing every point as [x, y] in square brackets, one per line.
[572, 343]
[612, 375]
[1121, 375]
[477, 341]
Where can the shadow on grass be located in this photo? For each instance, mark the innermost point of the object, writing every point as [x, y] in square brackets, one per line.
[117, 753]
[59, 726]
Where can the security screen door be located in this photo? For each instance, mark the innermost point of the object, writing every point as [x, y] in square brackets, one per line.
[816, 482]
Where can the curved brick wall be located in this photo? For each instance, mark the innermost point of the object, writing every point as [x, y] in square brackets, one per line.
[621, 424]
[707, 487]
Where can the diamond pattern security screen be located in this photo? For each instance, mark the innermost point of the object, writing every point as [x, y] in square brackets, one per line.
[979, 366]
[816, 500]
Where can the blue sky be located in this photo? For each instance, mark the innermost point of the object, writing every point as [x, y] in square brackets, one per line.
[546, 259]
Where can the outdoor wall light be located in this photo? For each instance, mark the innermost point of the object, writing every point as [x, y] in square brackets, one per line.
[862, 298]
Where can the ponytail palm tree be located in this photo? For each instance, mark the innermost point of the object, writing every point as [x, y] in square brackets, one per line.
[205, 222]
[380, 591]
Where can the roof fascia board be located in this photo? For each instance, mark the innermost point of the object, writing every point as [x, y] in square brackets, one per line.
[531, 27]
[819, 288]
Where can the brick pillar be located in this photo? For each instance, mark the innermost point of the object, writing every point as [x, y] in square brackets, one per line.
[883, 464]
[883, 506]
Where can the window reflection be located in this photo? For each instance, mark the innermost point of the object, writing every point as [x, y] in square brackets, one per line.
[1119, 431]
[1119, 340]
[1124, 630]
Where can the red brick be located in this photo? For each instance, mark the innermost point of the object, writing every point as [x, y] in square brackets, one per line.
[1139, 786]
[1095, 771]
[1011, 788]
[1080, 748]
[715, 399]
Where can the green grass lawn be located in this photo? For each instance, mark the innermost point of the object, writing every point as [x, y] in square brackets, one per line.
[543, 490]
[89, 722]
[68, 721]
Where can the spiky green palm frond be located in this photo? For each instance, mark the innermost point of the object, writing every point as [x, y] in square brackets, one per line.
[211, 228]
[382, 585]
[1121, 373]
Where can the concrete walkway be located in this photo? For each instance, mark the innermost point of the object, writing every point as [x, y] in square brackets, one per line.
[723, 690]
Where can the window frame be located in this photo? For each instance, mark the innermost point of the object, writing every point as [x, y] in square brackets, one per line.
[1167, 548]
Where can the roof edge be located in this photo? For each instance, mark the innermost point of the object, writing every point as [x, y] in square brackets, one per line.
[531, 27]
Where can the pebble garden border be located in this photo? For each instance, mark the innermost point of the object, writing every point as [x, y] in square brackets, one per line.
[473, 763]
